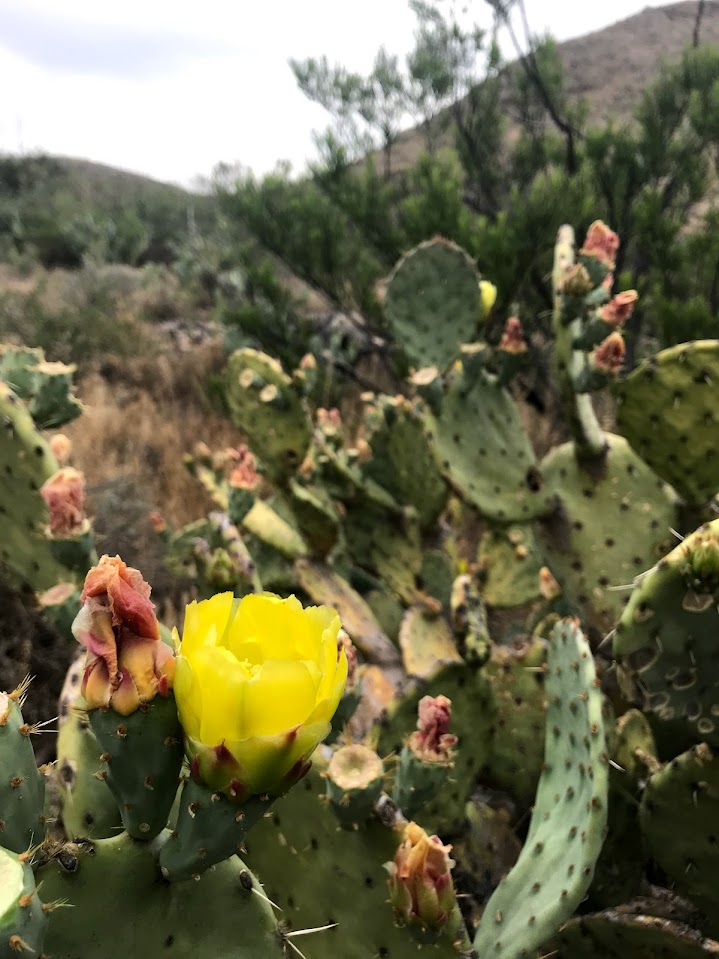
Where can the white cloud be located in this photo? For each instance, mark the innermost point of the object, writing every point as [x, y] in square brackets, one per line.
[171, 89]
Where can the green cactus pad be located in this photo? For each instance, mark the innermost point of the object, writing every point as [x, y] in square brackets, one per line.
[666, 639]
[45, 387]
[516, 674]
[26, 462]
[265, 524]
[402, 461]
[316, 516]
[22, 919]
[621, 935]
[678, 816]
[265, 405]
[433, 302]
[22, 786]
[325, 587]
[556, 865]
[668, 411]
[225, 914]
[320, 874]
[426, 642]
[613, 523]
[473, 714]
[88, 807]
[144, 756]
[437, 576]
[509, 564]
[484, 453]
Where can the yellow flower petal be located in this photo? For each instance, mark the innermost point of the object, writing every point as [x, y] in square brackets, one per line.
[280, 696]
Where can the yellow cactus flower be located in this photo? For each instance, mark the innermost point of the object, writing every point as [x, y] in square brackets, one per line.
[488, 293]
[257, 684]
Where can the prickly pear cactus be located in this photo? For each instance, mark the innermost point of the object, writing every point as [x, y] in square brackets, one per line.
[483, 451]
[665, 640]
[433, 303]
[668, 412]
[118, 877]
[509, 564]
[265, 404]
[23, 919]
[616, 934]
[678, 816]
[45, 387]
[614, 522]
[556, 865]
[22, 786]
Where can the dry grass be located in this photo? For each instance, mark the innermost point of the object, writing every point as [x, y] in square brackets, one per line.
[141, 417]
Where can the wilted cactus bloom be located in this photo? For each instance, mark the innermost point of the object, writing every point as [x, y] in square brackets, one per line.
[128, 664]
[258, 682]
[64, 494]
[244, 474]
[420, 880]
[619, 309]
[513, 337]
[488, 294]
[601, 243]
[609, 355]
[432, 740]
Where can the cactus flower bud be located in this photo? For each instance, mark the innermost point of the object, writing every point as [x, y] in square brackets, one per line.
[258, 682]
[601, 243]
[127, 662]
[432, 740]
[488, 295]
[64, 494]
[619, 308]
[608, 357]
[420, 880]
[513, 337]
[61, 447]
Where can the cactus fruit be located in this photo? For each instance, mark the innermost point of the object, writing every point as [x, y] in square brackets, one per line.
[665, 641]
[556, 865]
[22, 786]
[433, 303]
[265, 404]
[668, 412]
[23, 918]
[614, 521]
[426, 758]
[354, 778]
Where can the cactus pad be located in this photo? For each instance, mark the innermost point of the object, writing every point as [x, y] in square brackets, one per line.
[402, 461]
[22, 919]
[669, 413]
[118, 878]
[427, 643]
[509, 565]
[556, 865]
[320, 874]
[681, 803]
[614, 934]
[433, 303]
[611, 526]
[265, 404]
[483, 451]
[666, 638]
[325, 587]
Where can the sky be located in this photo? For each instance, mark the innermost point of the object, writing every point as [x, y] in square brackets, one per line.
[170, 89]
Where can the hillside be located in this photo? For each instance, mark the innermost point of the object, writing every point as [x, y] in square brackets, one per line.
[610, 68]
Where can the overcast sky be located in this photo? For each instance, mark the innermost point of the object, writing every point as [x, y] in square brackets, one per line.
[172, 88]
